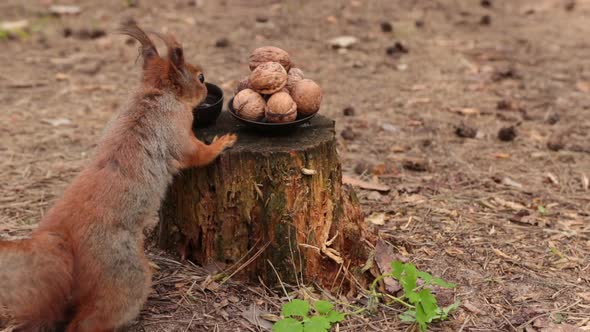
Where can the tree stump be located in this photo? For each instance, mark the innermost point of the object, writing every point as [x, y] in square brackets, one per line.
[272, 206]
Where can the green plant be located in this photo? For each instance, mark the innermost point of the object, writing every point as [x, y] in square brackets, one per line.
[421, 304]
[296, 317]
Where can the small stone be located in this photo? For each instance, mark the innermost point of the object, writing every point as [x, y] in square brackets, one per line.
[485, 20]
[14, 25]
[343, 42]
[67, 32]
[374, 196]
[389, 128]
[507, 134]
[222, 42]
[362, 167]
[465, 131]
[262, 19]
[396, 49]
[348, 134]
[552, 118]
[89, 33]
[419, 24]
[349, 111]
[486, 3]
[504, 105]
[60, 10]
[555, 143]
[386, 26]
[505, 72]
[415, 164]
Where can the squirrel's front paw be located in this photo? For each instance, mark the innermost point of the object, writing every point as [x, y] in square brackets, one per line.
[225, 141]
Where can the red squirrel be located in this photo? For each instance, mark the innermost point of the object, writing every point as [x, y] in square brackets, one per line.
[84, 266]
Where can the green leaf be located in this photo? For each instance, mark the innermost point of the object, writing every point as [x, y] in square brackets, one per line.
[335, 316]
[316, 324]
[442, 283]
[413, 297]
[323, 307]
[288, 325]
[408, 316]
[421, 317]
[427, 277]
[444, 312]
[397, 268]
[428, 304]
[410, 277]
[295, 308]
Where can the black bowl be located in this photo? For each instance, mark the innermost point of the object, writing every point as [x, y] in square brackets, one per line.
[206, 113]
[269, 126]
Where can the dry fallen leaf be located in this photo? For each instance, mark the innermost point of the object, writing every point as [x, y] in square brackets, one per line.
[384, 255]
[254, 315]
[583, 86]
[561, 328]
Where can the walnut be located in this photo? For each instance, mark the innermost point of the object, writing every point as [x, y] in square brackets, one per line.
[281, 108]
[268, 78]
[269, 54]
[308, 96]
[295, 75]
[243, 84]
[249, 105]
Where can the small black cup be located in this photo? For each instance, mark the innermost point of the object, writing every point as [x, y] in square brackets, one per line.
[206, 113]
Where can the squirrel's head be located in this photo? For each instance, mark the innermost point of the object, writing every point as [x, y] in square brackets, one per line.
[172, 73]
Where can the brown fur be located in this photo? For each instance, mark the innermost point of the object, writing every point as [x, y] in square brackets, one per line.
[86, 257]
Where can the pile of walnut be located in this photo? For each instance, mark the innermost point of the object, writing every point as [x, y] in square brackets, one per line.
[275, 90]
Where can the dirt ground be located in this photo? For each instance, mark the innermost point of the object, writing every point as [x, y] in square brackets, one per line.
[508, 221]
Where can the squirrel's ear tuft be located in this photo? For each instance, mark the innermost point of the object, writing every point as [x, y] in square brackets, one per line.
[175, 51]
[148, 49]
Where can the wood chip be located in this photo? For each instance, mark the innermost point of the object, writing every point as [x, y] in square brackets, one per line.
[376, 218]
[364, 184]
[509, 182]
[469, 306]
[552, 178]
[511, 205]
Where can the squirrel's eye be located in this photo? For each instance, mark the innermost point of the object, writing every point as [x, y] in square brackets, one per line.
[202, 78]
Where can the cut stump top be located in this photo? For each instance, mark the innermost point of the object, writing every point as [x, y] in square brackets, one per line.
[318, 130]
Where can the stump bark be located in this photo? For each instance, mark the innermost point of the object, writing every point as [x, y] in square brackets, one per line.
[273, 205]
